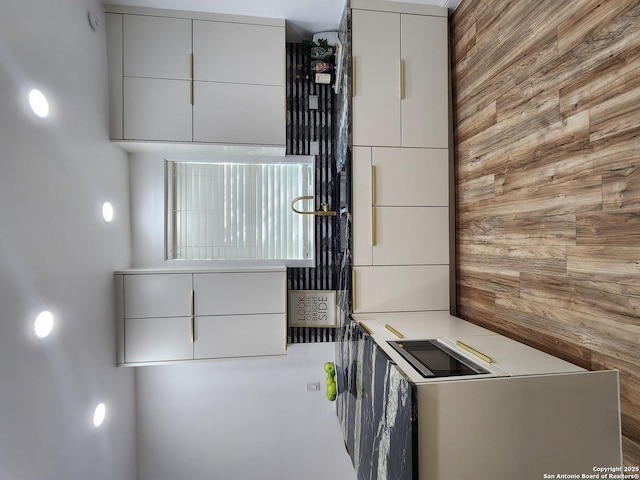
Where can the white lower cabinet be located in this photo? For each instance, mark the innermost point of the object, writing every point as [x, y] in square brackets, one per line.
[406, 236]
[401, 288]
[153, 339]
[224, 336]
[401, 242]
[169, 315]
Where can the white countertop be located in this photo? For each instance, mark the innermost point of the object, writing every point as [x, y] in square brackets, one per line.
[509, 357]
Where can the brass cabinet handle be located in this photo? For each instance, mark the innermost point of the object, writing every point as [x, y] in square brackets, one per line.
[373, 185]
[353, 76]
[353, 290]
[401, 79]
[475, 352]
[373, 206]
[365, 328]
[191, 78]
[394, 331]
[374, 239]
[193, 318]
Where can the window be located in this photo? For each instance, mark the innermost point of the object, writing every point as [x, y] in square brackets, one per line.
[239, 210]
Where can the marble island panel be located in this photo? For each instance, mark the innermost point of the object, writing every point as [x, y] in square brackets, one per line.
[377, 409]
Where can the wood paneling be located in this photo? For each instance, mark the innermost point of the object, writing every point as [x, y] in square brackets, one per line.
[546, 107]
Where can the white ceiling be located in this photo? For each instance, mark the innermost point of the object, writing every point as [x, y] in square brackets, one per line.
[304, 17]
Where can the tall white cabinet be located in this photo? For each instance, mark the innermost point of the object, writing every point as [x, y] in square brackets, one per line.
[193, 77]
[400, 157]
[400, 75]
[175, 315]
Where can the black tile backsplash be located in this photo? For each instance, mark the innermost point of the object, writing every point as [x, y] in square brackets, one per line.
[305, 125]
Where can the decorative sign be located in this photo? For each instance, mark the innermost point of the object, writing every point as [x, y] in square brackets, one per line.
[312, 308]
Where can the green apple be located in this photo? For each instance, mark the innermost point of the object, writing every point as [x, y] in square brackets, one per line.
[332, 389]
[329, 368]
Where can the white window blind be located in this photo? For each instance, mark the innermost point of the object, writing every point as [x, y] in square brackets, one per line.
[223, 211]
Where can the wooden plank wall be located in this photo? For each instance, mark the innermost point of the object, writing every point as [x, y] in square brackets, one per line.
[546, 99]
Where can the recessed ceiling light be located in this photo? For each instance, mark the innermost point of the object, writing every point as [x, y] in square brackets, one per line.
[43, 324]
[98, 414]
[38, 103]
[107, 212]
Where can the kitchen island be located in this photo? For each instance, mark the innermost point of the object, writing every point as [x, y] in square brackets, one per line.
[530, 414]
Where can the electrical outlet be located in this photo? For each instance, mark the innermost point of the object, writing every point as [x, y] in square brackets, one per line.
[313, 386]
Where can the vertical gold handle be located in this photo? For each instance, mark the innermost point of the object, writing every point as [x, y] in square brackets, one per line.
[353, 76]
[374, 239]
[373, 206]
[373, 185]
[353, 289]
[401, 79]
[191, 78]
[193, 318]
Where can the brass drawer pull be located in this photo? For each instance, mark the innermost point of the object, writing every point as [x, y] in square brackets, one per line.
[394, 331]
[475, 352]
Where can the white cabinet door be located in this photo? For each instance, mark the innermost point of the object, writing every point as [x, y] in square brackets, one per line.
[425, 104]
[157, 339]
[113, 27]
[403, 288]
[157, 295]
[376, 116]
[362, 201]
[411, 235]
[238, 53]
[240, 335]
[410, 177]
[400, 206]
[238, 113]
[157, 109]
[239, 293]
[157, 47]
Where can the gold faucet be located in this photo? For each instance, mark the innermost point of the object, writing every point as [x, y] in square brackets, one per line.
[325, 212]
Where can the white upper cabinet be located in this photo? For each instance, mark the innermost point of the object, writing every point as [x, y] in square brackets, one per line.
[156, 47]
[194, 77]
[243, 113]
[376, 78]
[156, 108]
[400, 79]
[238, 53]
[425, 99]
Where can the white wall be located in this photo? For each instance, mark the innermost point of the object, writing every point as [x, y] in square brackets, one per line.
[56, 253]
[242, 419]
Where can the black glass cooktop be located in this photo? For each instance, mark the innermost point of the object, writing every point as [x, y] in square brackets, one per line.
[433, 359]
